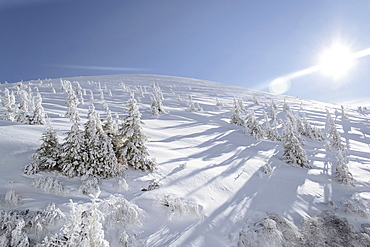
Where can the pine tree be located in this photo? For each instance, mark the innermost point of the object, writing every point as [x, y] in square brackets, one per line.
[342, 174]
[235, 114]
[131, 148]
[293, 152]
[241, 105]
[335, 139]
[252, 126]
[46, 157]
[38, 113]
[91, 226]
[100, 156]
[73, 154]
[219, 104]
[344, 116]
[25, 108]
[72, 103]
[5, 100]
[110, 125]
[156, 101]
[191, 105]
[271, 133]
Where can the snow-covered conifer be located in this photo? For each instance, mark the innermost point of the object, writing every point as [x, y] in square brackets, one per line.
[294, 154]
[252, 126]
[38, 116]
[72, 103]
[25, 108]
[130, 141]
[255, 100]
[110, 125]
[271, 133]
[342, 173]
[286, 106]
[219, 104]
[73, 153]
[156, 101]
[191, 105]
[5, 100]
[91, 95]
[92, 232]
[236, 114]
[46, 157]
[335, 139]
[241, 105]
[100, 156]
[344, 116]
[311, 131]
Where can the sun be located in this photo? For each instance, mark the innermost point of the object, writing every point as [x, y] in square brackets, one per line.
[336, 61]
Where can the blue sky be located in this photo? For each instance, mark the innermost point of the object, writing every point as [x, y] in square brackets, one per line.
[245, 43]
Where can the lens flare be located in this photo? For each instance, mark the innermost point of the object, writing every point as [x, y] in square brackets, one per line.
[279, 85]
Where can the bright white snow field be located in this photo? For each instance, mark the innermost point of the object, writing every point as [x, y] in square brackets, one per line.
[211, 177]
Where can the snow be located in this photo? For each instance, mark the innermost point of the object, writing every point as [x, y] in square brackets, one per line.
[210, 174]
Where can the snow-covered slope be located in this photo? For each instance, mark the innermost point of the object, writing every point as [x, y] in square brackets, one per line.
[211, 177]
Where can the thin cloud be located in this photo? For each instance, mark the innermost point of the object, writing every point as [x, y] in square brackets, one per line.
[66, 66]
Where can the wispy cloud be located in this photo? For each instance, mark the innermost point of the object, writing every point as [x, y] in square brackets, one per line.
[68, 66]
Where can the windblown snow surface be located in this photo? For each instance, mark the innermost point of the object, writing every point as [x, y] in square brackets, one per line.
[209, 170]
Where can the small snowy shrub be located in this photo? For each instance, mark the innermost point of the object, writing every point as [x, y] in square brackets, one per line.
[12, 199]
[89, 185]
[49, 185]
[273, 230]
[327, 229]
[183, 165]
[179, 207]
[120, 211]
[120, 184]
[152, 185]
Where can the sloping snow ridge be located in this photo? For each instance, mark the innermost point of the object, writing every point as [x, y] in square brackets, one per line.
[215, 183]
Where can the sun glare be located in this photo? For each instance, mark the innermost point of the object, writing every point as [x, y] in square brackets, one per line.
[336, 61]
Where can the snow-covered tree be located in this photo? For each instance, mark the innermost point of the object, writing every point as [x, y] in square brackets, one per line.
[92, 232]
[342, 173]
[8, 102]
[191, 105]
[156, 101]
[252, 126]
[100, 156]
[236, 114]
[71, 103]
[131, 139]
[344, 116]
[335, 140]
[219, 104]
[294, 154]
[46, 157]
[38, 116]
[271, 133]
[73, 154]
[286, 106]
[311, 131]
[273, 113]
[5, 100]
[255, 100]
[25, 108]
[241, 104]
[110, 125]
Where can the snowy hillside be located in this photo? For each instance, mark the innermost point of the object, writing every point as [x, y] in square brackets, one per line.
[215, 183]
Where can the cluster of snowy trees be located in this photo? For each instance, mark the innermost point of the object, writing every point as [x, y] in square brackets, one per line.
[28, 110]
[99, 150]
[294, 127]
